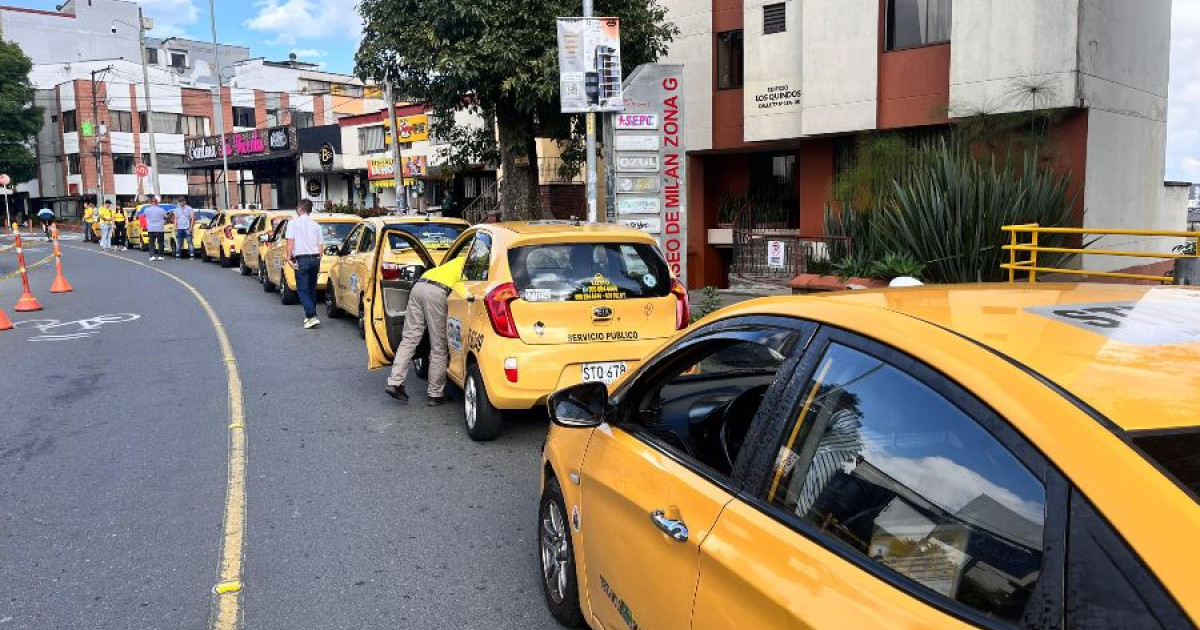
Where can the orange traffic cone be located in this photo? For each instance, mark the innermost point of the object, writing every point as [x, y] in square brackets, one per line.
[26, 302]
[60, 282]
[5, 322]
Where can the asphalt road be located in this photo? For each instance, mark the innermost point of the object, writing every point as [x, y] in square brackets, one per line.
[361, 512]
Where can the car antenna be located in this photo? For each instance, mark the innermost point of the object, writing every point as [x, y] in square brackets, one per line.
[575, 220]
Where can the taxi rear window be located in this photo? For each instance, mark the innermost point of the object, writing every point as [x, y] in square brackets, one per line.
[572, 272]
[241, 220]
[1176, 452]
[432, 235]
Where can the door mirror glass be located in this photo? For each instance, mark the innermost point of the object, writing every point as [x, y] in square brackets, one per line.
[331, 250]
[579, 406]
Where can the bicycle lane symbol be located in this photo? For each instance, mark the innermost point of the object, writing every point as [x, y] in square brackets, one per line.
[55, 330]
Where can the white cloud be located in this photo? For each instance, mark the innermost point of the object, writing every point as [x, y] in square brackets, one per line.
[1183, 116]
[172, 18]
[308, 53]
[301, 21]
[951, 485]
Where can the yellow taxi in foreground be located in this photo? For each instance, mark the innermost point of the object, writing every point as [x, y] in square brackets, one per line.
[982, 456]
[224, 236]
[259, 235]
[356, 264]
[541, 305]
[279, 276]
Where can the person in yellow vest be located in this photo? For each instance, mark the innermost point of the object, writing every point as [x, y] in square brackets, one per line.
[426, 311]
[119, 236]
[106, 226]
[89, 217]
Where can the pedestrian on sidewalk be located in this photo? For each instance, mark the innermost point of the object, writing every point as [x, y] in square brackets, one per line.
[46, 215]
[426, 312]
[304, 255]
[184, 216]
[89, 219]
[118, 228]
[156, 224]
[105, 217]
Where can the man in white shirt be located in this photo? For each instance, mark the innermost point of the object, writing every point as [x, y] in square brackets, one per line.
[304, 255]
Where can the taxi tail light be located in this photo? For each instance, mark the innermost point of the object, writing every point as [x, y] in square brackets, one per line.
[683, 308]
[229, 231]
[499, 311]
[389, 271]
[510, 369]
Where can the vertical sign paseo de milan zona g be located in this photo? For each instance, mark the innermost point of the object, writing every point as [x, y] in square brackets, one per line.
[650, 158]
[589, 65]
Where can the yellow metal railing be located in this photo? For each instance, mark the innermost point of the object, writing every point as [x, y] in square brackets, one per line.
[1031, 266]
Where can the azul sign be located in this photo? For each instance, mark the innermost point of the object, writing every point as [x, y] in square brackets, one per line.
[240, 144]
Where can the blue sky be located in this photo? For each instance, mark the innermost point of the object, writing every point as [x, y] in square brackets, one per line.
[327, 32]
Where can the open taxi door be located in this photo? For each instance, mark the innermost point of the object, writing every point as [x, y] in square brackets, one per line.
[385, 299]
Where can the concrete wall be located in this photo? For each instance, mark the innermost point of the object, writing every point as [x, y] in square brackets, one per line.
[200, 69]
[50, 37]
[840, 65]
[693, 48]
[771, 99]
[999, 49]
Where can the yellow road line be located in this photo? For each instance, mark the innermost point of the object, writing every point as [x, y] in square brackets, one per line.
[225, 613]
[13, 274]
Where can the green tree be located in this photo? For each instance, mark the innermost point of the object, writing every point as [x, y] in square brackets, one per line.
[20, 119]
[500, 60]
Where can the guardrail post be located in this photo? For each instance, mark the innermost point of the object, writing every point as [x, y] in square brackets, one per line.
[1033, 263]
[1012, 258]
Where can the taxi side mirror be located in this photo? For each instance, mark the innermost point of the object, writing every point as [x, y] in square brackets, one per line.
[264, 238]
[579, 406]
[332, 250]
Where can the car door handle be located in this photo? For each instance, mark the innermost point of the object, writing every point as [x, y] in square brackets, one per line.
[470, 298]
[675, 528]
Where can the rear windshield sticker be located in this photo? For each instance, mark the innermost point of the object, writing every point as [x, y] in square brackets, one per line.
[1155, 321]
[537, 295]
[649, 280]
[454, 333]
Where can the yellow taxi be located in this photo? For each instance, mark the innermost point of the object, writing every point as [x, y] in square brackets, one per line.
[280, 276]
[133, 230]
[541, 305]
[139, 237]
[259, 235]
[204, 216]
[955, 457]
[356, 263]
[224, 236]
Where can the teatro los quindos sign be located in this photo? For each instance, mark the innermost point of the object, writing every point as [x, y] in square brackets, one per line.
[256, 142]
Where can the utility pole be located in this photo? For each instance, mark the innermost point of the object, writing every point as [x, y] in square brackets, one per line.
[591, 143]
[398, 171]
[99, 140]
[149, 108]
[220, 118]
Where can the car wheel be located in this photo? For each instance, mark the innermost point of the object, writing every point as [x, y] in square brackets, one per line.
[243, 268]
[225, 261]
[557, 552]
[331, 307]
[287, 297]
[268, 287]
[420, 366]
[145, 246]
[362, 319]
[204, 255]
[483, 420]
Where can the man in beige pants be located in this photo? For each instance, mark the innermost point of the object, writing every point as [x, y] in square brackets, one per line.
[426, 311]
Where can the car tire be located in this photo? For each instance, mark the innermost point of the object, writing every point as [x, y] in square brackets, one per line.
[204, 255]
[362, 319]
[420, 366]
[243, 268]
[145, 246]
[287, 297]
[226, 261]
[268, 286]
[481, 418]
[556, 553]
[332, 311]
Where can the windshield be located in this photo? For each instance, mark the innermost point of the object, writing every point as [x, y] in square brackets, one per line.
[432, 235]
[335, 233]
[240, 221]
[205, 215]
[1176, 452]
[589, 271]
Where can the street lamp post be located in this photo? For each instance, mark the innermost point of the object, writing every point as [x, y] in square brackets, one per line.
[149, 108]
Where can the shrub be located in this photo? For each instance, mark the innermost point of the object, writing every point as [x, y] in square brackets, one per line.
[710, 303]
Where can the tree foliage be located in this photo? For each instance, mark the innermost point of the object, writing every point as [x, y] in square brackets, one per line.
[20, 118]
[498, 60]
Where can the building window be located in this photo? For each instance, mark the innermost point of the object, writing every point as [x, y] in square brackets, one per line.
[167, 162]
[164, 122]
[120, 121]
[370, 140]
[243, 117]
[917, 23]
[152, 56]
[178, 59]
[72, 164]
[195, 126]
[302, 119]
[774, 18]
[70, 125]
[729, 60]
[123, 164]
[273, 117]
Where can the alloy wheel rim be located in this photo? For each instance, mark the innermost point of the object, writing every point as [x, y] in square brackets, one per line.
[555, 557]
[469, 402]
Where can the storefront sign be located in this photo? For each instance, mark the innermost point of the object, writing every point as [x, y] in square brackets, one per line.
[326, 157]
[652, 225]
[777, 96]
[412, 128]
[415, 166]
[637, 121]
[638, 162]
[636, 143]
[380, 168]
[240, 144]
[589, 65]
[638, 183]
[653, 117]
[638, 205]
[313, 187]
